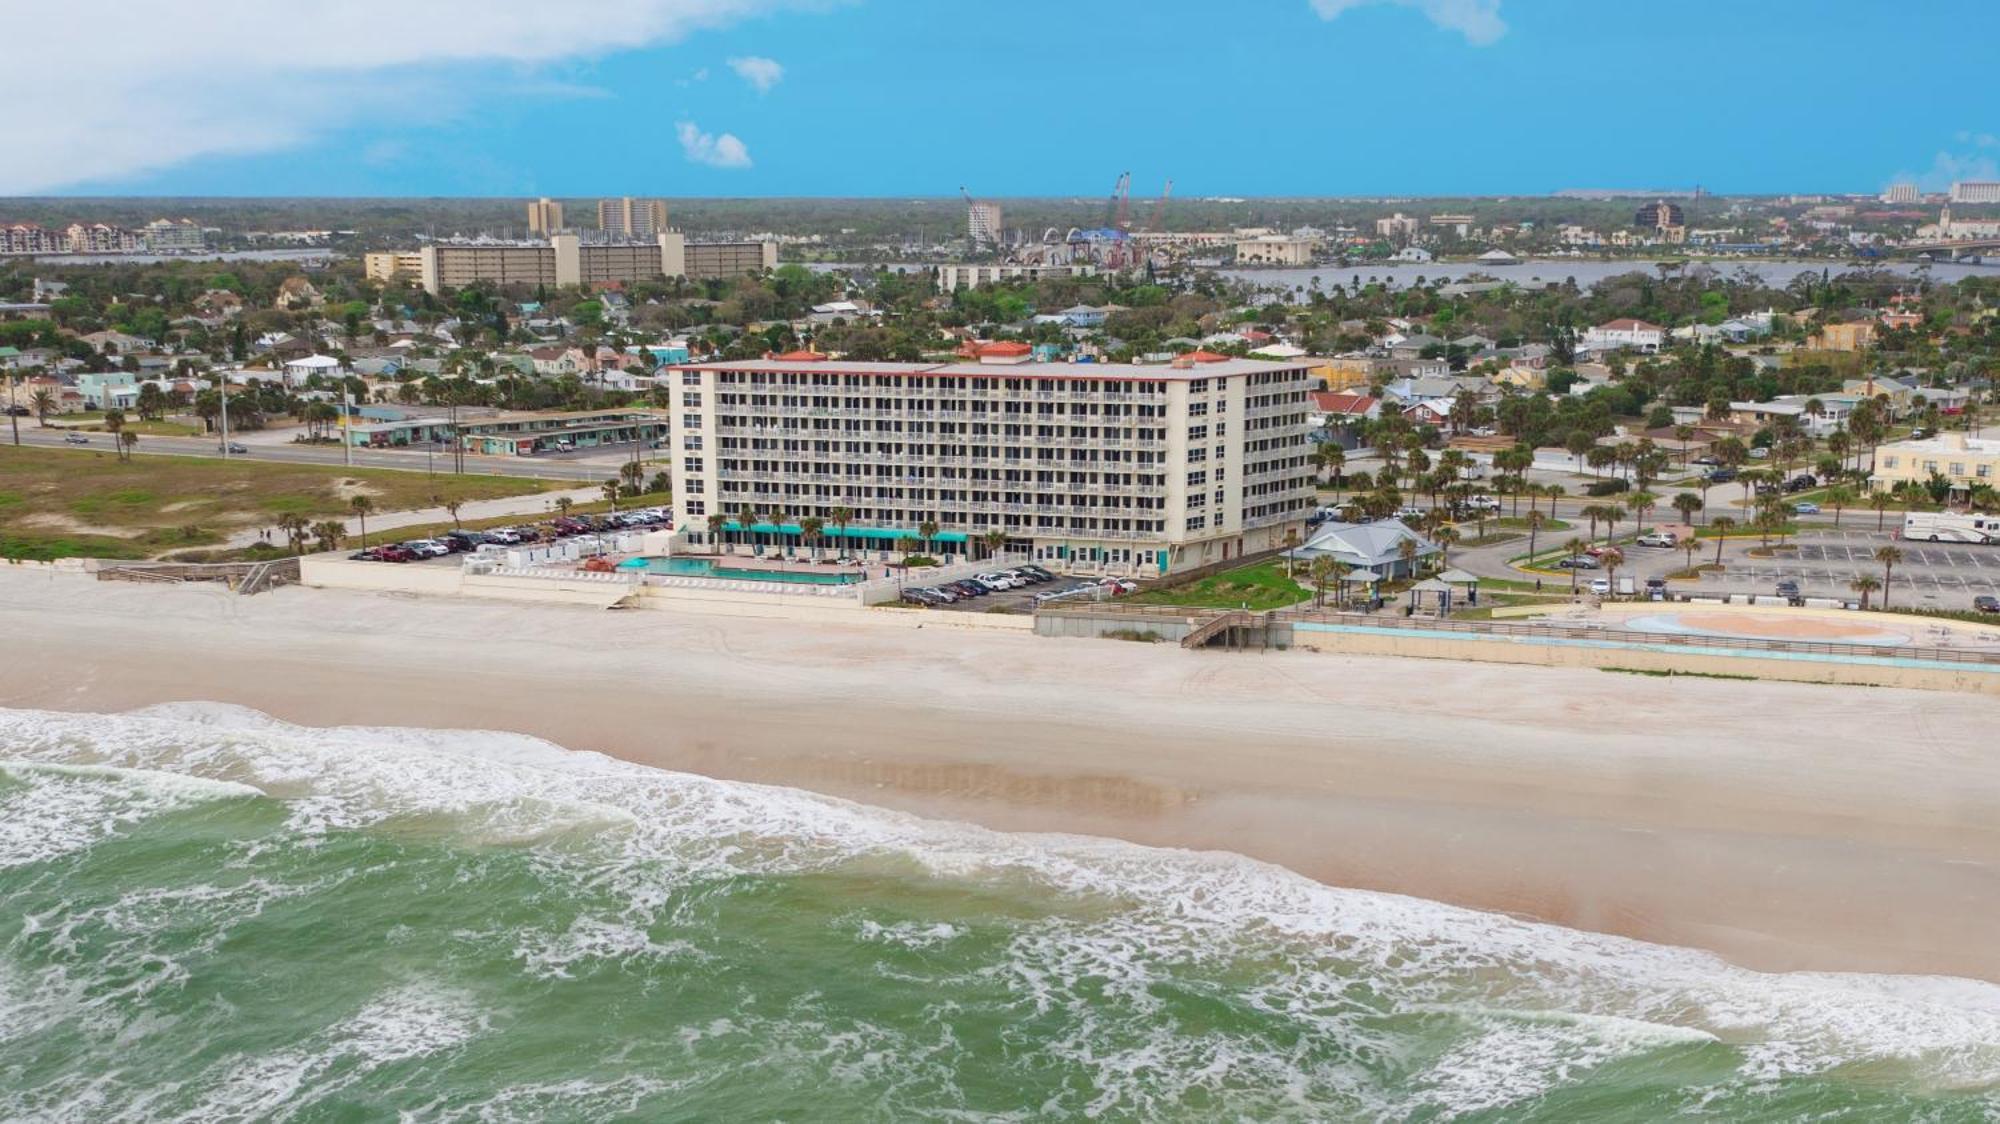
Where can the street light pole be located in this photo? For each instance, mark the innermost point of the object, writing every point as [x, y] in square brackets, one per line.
[222, 382]
[13, 418]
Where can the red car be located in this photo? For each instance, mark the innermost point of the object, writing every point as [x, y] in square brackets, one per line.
[394, 554]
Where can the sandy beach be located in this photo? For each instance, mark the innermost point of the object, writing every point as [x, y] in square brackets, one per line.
[1785, 826]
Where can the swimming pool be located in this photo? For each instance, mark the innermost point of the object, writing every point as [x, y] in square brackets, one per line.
[706, 568]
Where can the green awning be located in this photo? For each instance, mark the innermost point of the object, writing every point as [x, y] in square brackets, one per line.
[887, 534]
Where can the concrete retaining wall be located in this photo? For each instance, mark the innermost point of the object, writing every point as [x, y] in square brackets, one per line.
[1082, 626]
[1804, 667]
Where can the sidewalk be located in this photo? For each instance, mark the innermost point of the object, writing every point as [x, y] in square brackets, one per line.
[536, 504]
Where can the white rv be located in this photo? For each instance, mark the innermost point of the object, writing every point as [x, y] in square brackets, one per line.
[1948, 526]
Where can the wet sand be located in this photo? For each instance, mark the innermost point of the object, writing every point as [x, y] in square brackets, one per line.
[1784, 826]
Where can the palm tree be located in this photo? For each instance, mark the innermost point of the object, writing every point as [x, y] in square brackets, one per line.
[451, 507]
[1687, 503]
[563, 504]
[1407, 550]
[295, 527]
[1535, 521]
[718, 525]
[44, 403]
[927, 530]
[1691, 544]
[1641, 503]
[632, 472]
[610, 489]
[1880, 502]
[995, 539]
[841, 517]
[1721, 525]
[362, 507]
[746, 522]
[1888, 556]
[1864, 585]
[809, 531]
[1572, 550]
[114, 424]
[328, 533]
[1837, 498]
[127, 441]
[1321, 571]
[1611, 559]
[1445, 536]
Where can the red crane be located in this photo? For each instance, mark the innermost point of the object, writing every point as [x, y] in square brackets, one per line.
[1159, 208]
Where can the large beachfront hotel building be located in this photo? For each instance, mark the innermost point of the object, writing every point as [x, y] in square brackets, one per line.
[1148, 468]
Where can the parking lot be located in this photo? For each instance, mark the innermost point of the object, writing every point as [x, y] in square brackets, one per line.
[1931, 575]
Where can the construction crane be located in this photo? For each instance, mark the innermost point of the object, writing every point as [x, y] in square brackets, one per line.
[1118, 210]
[1159, 208]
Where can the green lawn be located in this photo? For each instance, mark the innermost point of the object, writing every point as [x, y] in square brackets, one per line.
[377, 536]
[1260, 587]
[1521, 524]
[57, 503]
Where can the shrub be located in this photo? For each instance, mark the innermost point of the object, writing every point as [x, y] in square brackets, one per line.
[1608, 488]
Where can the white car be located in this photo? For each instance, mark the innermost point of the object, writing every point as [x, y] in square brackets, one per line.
[996, 582]
[427, 548]
[1658, 538]
[1600, 586]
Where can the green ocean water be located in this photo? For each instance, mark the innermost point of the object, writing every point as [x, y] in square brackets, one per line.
[209, 916]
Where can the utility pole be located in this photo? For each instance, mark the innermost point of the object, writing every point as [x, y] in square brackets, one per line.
[346, 439]
[13, 418]
[222, 381]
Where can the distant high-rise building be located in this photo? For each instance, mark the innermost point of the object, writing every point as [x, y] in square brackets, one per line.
[1901, 193]
[1975, 191]
[626, 217]
[982, 223]
[1659, 215]
[545, 216]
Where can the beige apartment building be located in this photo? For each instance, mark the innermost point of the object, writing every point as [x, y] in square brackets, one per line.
[1964, 460]
[545, 217]
[626, 217]
[565, 259]
[1142, 468]
[391, 265]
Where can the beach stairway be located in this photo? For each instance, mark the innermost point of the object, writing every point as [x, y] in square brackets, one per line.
[1224, 625]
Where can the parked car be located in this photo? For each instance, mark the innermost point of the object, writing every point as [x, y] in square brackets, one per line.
[393, 553]
[1037, 571]
[506, 536]
[1722, 476]
[1802, 482]
[995, 581]
[426, 548]
[967, 588]
[461, 541]
[1580, 562]
[75, 439]
[1986, 603]
[1600, 586]
[1788, 589]
[944, 596]
[368, 555]
[1120, 585]
[914, 597]
[1658, 538]
[1024, 577]
[1409, 513]
[1806, 507]
[1709, 459]
[1760, 453]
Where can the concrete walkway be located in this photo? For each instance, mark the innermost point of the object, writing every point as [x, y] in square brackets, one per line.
[536, 505]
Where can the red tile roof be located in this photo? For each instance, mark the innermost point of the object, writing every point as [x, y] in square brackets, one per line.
[799, 356]
[1346, 405]
[1005, 347]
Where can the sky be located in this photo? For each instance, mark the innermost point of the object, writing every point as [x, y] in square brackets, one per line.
[1023, 98]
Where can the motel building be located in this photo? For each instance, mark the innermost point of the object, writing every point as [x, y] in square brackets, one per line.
[1145, 468]
[516, 435]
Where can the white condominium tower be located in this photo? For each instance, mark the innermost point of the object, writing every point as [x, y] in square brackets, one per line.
[1154, 468]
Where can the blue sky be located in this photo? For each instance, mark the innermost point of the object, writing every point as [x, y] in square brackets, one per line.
[1034, 97]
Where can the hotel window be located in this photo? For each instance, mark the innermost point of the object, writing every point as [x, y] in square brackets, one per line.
[690, 378]
[691, 399]
[691, 464]
[1197, 522]
[1197, 479]
[1958, 468]
[691, 442]
[697, 507]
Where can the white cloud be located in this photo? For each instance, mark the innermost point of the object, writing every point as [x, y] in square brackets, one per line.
[724, 151]
[170, 83]
[1478, 20]
[1948, 168]
[760, 72]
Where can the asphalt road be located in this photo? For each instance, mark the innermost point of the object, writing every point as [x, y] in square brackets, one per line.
[553, 467]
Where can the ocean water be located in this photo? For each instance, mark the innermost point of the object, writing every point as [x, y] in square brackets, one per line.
[206, 915]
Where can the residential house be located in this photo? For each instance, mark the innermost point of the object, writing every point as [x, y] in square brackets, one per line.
[1853, 335]
[295, 372]
[298, 293]
[1625, 334]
